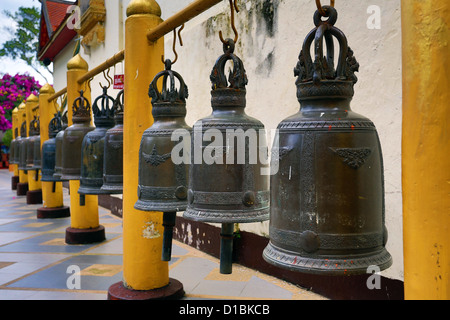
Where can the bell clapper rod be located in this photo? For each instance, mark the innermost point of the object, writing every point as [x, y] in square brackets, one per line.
[168, 224]
[226, 248]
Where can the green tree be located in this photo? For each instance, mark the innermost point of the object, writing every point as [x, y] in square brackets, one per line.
[25, 42]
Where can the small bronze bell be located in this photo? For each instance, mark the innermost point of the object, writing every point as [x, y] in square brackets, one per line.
[13, 147]
[327, 198]
[113, 157]
[73, 138]
[226, 184]
[23, 143]
[48, 157]
[93, 146]
[163, 183]
[58, 148]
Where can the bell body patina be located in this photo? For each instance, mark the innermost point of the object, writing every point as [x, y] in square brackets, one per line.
[73, 139]
[22, 148]
[227, 184]
[113, 154]
[58, 148]
[163, 181]
[327, 195]
[93, 146]
[13, 148]
[33, 136]
[48, 154]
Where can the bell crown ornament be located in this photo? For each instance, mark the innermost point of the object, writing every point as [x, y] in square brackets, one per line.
[81, 109]
[55, 125]
[103, 109]
[319, 78]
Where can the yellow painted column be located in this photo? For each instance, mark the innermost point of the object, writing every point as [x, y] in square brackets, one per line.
[142, 231]
[32, 101]
[426, 148]
[14, 167]
[84, 224]
[52, 192]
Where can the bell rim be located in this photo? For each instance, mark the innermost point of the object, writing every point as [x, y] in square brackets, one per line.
[112, 189]
[91, 190]
[227, 216]
[162, 206]
[327, 265]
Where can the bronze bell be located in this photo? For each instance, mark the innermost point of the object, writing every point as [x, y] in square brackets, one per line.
[113, 156]
[226, 180]
[162, 182]
[73, 138]
[48, 156]
[93, 146]
[327, 198]
[37, 148]
[23, 144]
[33, 135]
[58, 148]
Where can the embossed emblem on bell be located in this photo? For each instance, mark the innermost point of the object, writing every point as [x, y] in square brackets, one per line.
[58, 148]
[48, 156]
[327, 198]
[93, 145]
[163, 181]
[226, 183]
[113, 157]
[73, 138]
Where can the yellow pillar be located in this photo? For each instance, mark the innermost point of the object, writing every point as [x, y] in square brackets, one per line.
[52, 192]
[426, 148]
[143, 269]
[84, 224]
[34, 193]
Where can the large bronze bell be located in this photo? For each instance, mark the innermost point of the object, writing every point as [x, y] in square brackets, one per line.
[226, 180]
[113, 156]
[163, 182]
[327, 198]
[73, 138]
[58, 148]
[93, 146]
[48, 156]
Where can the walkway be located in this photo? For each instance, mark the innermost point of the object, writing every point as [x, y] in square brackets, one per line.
[37, 264]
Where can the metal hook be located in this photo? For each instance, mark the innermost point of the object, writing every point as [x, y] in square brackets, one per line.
[109, 82]
[88, 83]
[233, 6]
[319, 7]
[174, 42]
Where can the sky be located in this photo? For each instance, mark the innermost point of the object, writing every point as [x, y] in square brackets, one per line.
[17, 66]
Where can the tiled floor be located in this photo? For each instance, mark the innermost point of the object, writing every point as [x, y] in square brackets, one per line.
[37, 264]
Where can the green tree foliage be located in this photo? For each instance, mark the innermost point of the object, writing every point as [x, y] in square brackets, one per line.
[25, 42]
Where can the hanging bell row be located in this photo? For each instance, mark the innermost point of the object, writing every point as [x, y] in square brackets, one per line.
[326, 185]
[48, 158]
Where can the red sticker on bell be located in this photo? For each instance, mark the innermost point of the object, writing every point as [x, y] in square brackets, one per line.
[118, 81]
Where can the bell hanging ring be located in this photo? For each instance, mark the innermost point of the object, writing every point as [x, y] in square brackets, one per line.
[93, 146]
[113, 156]
[73, 138]
[327, 198]
[163, 180]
